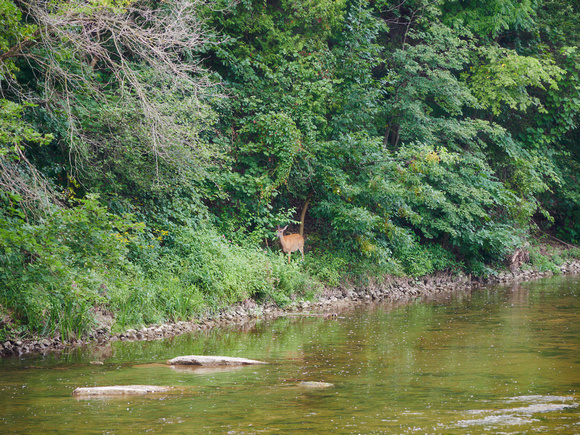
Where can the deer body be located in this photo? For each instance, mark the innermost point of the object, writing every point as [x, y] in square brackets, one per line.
[291, 242]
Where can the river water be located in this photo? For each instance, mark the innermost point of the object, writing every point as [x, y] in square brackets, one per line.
[494, 360]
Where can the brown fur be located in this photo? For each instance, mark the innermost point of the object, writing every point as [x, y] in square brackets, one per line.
[291, 242]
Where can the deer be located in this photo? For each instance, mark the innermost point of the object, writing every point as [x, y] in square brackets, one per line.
[294, 242]
[291, 242]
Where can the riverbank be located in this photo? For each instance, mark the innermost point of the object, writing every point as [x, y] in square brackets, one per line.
[327, 305]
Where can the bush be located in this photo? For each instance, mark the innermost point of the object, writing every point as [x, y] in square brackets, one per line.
[421, 260]
[56, 272]
[544, 258]
[327, 267]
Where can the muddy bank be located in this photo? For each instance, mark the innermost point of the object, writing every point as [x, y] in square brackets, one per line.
[327, 305]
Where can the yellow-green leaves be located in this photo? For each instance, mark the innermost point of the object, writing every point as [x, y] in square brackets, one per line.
[505, 78]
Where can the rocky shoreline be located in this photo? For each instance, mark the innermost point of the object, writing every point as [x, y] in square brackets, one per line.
[327, 305]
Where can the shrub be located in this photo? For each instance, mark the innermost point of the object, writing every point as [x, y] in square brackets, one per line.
[56, 271]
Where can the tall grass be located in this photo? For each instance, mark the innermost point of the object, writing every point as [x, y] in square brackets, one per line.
[202, 272]
[58, 274]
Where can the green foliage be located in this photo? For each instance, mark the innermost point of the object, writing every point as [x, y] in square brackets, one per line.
[490, 19]
[15, 35]
[15, 132]
[194, 271]
[544, 260]
[271, 29]
[143, 299]
[427, 100]
[226, 272]
[269, 144]
[557, 21]
[553, 139]
[425, 136]
[504, 77]
[421, 260]
[386, 208]
[56, 272]
[23, 189]
[328, 267]
[126, 159]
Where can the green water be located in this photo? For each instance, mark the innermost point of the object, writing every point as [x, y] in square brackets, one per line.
[498, 360]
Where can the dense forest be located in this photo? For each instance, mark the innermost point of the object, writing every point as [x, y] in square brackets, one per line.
[149, 149]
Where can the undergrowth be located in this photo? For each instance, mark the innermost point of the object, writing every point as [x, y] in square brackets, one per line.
[59, 274]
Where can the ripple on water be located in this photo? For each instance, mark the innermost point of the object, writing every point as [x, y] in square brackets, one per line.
[540, 399]
[521, 415]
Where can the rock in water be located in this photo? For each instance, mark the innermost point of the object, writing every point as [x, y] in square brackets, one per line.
[201, 360]
[313, 384]
[119, 390]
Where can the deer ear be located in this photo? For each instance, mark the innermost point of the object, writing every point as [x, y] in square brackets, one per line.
[283, 229]
[278, 226]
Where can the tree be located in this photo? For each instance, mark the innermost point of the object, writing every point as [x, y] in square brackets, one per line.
[85, 65]
[20, 182]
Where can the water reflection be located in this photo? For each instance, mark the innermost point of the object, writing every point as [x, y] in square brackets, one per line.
[501, 359]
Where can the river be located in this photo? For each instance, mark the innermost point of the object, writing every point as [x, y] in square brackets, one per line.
[502, 359]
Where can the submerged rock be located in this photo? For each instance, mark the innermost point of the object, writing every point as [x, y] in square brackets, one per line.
[204, 370]
[313, 384]
[119, 390]
[202, 360]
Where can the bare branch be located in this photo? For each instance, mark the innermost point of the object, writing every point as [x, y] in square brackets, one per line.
[165, 39]
[146, 49]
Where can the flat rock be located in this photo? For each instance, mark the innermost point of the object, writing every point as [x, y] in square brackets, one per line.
[119, 390]
[202, 360]
[313, 384]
